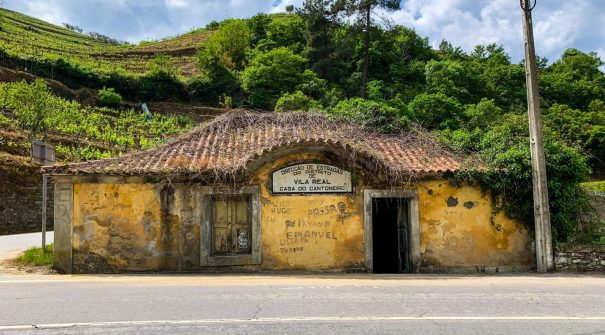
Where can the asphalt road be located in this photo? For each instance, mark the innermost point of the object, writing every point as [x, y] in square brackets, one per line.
[306, 304]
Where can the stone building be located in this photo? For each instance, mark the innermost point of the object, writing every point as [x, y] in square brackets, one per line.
[281, 191]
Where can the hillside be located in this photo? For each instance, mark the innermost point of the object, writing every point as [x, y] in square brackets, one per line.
[28, 38]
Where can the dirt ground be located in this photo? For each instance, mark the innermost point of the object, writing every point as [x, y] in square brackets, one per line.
[11, 267]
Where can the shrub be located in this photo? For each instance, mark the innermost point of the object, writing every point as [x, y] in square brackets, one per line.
[436, 111]
[379, 115]
[108, 97]
[505, 149]
[271, 74]
[296, 101]
[32, 105]
[161, 85]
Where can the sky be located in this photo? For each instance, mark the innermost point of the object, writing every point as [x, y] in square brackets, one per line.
[558, 24]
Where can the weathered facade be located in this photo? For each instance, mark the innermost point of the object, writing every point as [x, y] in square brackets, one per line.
[290, 191]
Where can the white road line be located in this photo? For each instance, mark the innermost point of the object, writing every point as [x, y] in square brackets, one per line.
[29, 281]
[303, 319]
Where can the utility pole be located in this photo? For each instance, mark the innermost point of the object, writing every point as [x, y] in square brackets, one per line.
[543, 234]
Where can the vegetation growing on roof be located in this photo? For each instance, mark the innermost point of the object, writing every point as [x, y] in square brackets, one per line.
[224, 148]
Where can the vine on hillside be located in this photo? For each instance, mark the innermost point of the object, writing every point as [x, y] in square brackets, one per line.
[116, 130]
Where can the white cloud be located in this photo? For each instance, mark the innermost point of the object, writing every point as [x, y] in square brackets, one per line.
[45, 10]
[282, 6]
[558, 25]
[177, 3]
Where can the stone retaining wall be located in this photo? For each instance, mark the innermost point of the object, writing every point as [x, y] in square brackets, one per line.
[21, 199]
[580, 258]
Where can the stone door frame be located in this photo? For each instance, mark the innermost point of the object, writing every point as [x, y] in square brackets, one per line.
[414, 221]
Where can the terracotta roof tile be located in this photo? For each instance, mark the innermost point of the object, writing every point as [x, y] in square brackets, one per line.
[235, 139]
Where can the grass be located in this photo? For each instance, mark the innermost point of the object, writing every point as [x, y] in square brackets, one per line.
[35, 256]
[594, 186]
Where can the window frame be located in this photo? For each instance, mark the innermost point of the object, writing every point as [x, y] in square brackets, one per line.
[207, 256]
[246, 200]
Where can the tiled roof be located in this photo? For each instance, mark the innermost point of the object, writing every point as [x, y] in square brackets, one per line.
[236, 139]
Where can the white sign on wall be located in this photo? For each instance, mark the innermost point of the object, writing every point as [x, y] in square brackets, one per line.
[311, 178]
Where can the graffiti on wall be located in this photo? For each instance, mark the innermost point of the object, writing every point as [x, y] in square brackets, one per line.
[302, 227]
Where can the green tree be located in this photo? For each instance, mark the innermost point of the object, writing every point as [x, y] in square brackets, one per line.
[504, 82]
[583, 128]
[437, 111]
[296, 101]
[378, 115]
[477, 118]
[215, 78]
[340, 67]
[214, 81]
[456, 79]
[482, 115]
[271, 74]
[229, 44]
[287, 32]
[363, 9]
[320, 23]
[407, 56]
[312, 85]
[448, 51]
[574, 80]
[258, 28]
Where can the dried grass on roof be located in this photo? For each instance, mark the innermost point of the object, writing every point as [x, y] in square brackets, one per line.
[225, 147]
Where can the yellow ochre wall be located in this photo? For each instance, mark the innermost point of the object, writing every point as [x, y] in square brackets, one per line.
[120, 226]
[313, 231]
[117, 226]
[134, 226]
[458, 229]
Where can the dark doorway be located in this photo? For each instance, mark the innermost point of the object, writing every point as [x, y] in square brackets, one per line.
[390, 235]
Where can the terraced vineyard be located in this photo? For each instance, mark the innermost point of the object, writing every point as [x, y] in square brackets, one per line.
[32, 39]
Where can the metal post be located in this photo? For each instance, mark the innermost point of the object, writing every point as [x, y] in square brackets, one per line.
[544, 255]
[44, 187]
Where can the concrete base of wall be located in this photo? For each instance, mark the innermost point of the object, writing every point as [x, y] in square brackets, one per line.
[475, 269]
